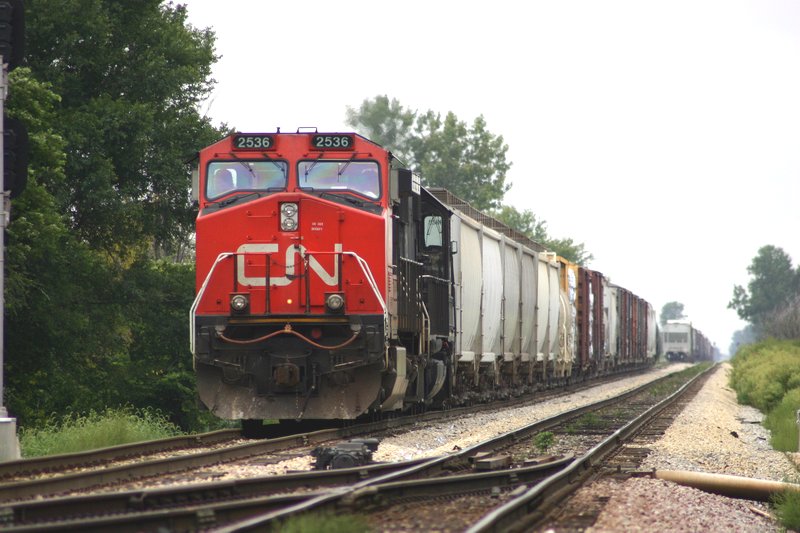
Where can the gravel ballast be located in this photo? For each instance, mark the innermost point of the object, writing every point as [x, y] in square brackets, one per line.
[715, 435]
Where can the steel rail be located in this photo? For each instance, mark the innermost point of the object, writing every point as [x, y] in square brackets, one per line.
[518, 512]
[82, 480]
[428, 468]
[18, 511]
[156, 506]
[102, 455]
[20, 490]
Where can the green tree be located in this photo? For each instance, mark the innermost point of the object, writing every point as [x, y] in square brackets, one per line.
[526, 223]
[468, 160]
[60, 332]
[569, 249]
[773, 284]
[110, 100]
[523, 221]
[671, 311]
[130, 76]
[386, 122]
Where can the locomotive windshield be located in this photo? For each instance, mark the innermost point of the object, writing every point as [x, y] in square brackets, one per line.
[225, 177]
[361, 177]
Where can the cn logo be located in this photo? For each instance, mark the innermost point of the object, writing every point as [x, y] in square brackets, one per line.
[291, 253]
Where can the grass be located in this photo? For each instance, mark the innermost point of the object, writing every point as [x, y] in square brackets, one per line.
[325, 523]
[782, 422]
[543, 441]
[76, 433]
[787, 507]
[766, 375]
[590, 420]
[675, 381]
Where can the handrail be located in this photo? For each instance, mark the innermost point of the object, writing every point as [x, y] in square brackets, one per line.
[196, 303]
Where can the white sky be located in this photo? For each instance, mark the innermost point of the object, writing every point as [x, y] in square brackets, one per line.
[665, 135]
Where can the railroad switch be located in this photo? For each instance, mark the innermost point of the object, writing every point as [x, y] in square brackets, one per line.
[356, 452]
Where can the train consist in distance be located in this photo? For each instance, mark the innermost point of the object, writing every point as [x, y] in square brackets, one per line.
[683, 342]
[331, 284]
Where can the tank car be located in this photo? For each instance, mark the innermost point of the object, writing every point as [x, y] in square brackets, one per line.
[331, 284]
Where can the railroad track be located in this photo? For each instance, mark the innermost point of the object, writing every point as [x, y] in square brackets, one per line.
[111, 467]
[618, 454]
[235, 503]
[20, 468]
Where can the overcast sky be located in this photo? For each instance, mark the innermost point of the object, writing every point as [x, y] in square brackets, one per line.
[665, 136]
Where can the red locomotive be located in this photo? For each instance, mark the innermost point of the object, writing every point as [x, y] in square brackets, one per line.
[298, 245]
[331, 284]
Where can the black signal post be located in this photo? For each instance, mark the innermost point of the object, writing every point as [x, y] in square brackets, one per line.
[13, 172]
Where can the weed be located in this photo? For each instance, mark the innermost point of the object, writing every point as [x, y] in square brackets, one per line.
[787, 507]
[589, 420]
[782, 423]
[325, 523]
[76, 433]
[543, 441]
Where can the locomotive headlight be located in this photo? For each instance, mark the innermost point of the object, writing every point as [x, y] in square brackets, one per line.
[334, 302]
[239, 303]
[288, 216]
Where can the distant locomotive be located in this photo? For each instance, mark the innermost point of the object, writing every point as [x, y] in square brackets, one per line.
[683, 342]
[330, 284]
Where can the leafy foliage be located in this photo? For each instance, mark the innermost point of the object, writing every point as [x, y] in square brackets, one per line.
[385, 122]
[671, 311]
[130, 76]
[569, 249]
[774, 282]
[526, 223]
[766, 375]
[468, 160]
[764, 372]
[784, 322]
[782, 422]
[110, 100]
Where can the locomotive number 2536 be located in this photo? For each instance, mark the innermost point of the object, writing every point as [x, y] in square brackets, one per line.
[252, 142]
[332, 142]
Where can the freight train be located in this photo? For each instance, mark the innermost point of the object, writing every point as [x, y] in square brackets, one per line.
[681, 341]
[331, 285]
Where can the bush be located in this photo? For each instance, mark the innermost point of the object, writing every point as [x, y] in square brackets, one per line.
[764, 372]
[76, 433]
[782, 423]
